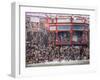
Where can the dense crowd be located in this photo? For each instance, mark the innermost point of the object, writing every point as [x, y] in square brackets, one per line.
[36, 52]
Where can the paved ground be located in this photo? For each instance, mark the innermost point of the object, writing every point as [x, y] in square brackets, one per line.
[55, 63]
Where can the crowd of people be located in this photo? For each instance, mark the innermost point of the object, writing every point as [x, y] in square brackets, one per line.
[38, 50]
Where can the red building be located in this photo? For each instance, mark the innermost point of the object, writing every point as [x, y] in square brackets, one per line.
[69, 29]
